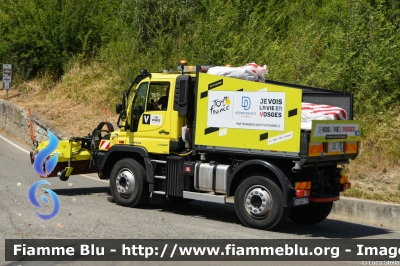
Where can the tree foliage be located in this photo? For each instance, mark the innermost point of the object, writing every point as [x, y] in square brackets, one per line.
[343, 45]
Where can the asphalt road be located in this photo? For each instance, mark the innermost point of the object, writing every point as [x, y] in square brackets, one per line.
[89, 212]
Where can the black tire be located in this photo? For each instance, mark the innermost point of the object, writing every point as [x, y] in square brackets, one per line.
[62, 175]
[176, 199]
[128, 183]
[312, 213]
[99, 129]
[267, 216]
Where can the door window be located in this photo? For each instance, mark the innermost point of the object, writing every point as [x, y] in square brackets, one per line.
[138, 105]
[158, 96]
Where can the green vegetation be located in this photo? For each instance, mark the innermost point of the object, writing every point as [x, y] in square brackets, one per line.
[343, 45]
[97, 48]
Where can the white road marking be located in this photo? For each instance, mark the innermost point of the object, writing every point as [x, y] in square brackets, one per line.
[15, 145]
[26, 151]
[97, 179]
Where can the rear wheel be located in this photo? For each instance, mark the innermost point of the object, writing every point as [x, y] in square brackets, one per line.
[312, 213]
[259, 203]
[128, 183]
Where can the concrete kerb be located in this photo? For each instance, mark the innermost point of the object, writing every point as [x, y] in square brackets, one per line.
[14, 120]
[367, 212]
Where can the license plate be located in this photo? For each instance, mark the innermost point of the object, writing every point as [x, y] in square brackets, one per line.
[300, 201]
[335, 146]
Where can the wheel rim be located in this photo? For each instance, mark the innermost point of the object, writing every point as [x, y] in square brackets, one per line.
[258, 201]
[125, 182]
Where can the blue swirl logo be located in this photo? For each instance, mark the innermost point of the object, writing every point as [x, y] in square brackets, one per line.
[44, 164]
[35, 202]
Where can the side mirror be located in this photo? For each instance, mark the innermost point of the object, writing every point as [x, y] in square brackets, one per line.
[181, 94]
[118, 108]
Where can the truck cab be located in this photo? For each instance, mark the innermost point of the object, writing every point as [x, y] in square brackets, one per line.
[155, 127]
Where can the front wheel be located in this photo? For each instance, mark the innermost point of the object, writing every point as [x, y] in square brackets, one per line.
[259, 203]
[312, 213]
[128, 183]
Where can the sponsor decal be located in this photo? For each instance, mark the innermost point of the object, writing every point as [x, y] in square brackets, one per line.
[246, 110]
[220, 105]
[146, 119]
[246, 102]
[150, 119]
[279, 138]
[333, 129]
[340, 130]
[156, 120]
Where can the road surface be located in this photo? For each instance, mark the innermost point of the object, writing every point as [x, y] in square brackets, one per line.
[89, 212]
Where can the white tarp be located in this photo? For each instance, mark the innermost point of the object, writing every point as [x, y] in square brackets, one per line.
[312, 111]
[251, 71]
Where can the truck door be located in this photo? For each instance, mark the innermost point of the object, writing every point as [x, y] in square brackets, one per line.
[150, 111]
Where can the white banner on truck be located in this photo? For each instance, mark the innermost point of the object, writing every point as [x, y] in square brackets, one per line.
[335, 131]
[246, 110]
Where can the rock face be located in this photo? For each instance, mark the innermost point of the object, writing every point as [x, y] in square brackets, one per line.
[15, 121]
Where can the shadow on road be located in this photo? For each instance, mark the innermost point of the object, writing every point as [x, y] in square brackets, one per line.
[226, 213]
[82, 191]
[332, 229]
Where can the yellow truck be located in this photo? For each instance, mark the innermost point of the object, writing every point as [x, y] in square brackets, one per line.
[190, 135]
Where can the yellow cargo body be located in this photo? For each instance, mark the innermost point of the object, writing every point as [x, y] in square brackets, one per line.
[242, 114]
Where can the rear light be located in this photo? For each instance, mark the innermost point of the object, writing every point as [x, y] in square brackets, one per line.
[345, 186]
[302, 193]
[188, 168]
[344, 183]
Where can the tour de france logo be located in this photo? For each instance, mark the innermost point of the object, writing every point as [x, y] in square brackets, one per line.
[44, 165]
